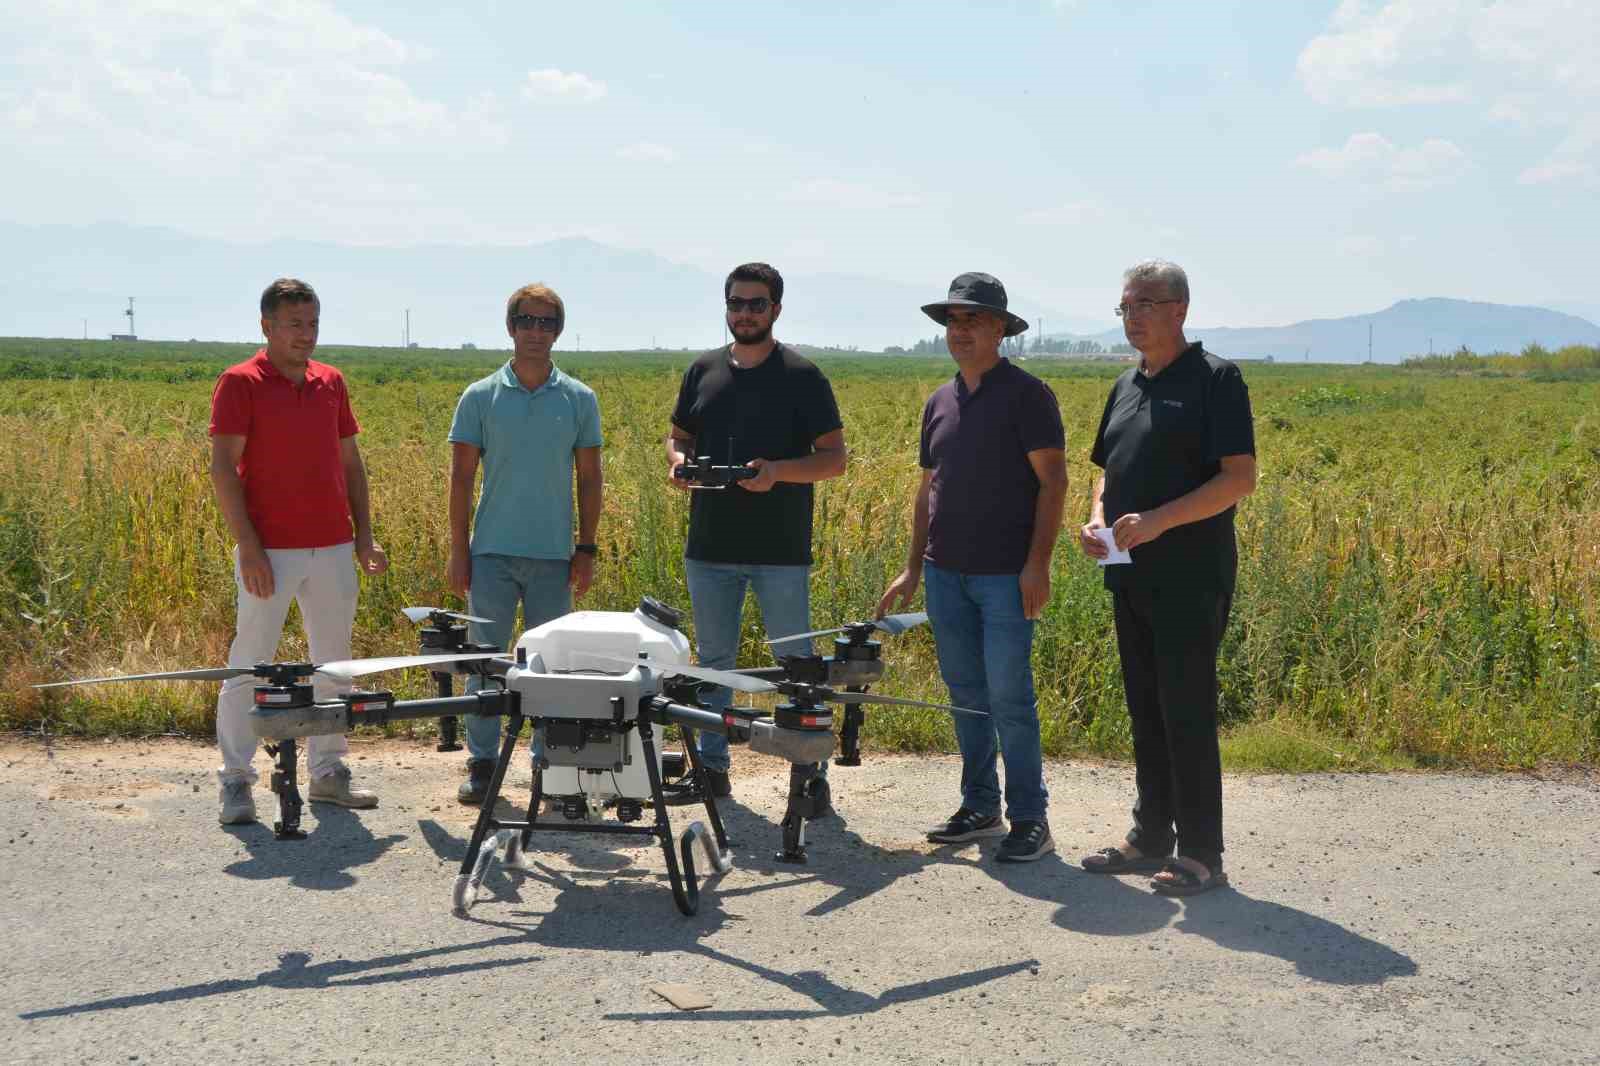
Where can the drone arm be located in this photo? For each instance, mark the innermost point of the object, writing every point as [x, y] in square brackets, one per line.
[796, 745]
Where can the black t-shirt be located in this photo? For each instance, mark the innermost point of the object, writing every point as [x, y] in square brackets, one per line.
[776, 410]
[984, 493]
[1161, 438]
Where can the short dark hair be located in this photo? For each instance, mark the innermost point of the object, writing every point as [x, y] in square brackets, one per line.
[757, 272]
[286, 291]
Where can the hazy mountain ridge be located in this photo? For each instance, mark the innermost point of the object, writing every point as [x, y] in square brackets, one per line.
[1408, 327]
[54, 277]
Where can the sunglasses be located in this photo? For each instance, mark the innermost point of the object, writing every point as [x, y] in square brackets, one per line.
[548, 323]
[756, 304]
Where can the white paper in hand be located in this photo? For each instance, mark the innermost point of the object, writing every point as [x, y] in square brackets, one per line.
[1114, 555]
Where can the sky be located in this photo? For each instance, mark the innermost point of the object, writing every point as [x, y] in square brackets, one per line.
[1299, 159]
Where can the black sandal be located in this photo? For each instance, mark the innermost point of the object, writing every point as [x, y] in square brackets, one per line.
[1188, 882]
[1113, 861]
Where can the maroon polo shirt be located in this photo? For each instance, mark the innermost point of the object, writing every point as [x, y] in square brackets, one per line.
[983, 494]
[294, 485]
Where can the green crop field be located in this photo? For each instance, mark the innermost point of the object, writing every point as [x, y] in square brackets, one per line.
[1419, 582]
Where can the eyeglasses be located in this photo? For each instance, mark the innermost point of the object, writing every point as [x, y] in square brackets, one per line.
[1141, 307]
[548, 323]
[756, 304]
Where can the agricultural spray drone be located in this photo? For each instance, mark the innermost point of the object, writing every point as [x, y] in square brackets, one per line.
[595, 685]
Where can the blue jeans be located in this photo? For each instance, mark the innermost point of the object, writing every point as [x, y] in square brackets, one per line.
[716, 591]
[985, 650]
[499, 582]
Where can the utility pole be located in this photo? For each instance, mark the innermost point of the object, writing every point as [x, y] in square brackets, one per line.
[86, 329]
[132, 332]
[408, 328]
[1369, 342]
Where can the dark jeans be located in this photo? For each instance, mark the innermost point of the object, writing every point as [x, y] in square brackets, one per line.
[985, 648]
[1168, 640]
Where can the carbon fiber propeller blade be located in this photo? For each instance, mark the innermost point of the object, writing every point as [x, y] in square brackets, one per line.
[892, 624]
[418, 615]
[219, 673]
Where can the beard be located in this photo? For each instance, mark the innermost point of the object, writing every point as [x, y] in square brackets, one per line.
[751, 334]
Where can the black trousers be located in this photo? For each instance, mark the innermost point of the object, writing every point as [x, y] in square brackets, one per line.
[1168, 640]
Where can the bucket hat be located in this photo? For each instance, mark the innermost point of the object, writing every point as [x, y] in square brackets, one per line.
[977, 292]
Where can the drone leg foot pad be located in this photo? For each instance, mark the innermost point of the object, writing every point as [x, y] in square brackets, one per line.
[793, 858]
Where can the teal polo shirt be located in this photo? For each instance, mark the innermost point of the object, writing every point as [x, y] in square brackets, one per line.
[527, 439]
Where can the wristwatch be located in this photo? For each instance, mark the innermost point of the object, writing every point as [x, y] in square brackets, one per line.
[587, 549]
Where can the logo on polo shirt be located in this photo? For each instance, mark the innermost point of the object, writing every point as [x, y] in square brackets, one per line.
[1173, 403]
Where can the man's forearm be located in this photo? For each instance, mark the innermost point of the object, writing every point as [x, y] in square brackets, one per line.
[1047, 521]
[225, 482]
[678, 448]
[1097, 502]
[590, 494]
[355, 481]
[460, 507]
[1221, 492]
[919, 531]
[820, 465]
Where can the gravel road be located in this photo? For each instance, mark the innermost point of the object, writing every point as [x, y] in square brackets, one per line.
[1392, 918]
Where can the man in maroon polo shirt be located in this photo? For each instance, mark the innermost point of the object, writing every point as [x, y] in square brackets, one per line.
[289, 481]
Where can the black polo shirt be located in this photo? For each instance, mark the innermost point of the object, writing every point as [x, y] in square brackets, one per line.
[775, 410]
[1163, 437]
[984, 492]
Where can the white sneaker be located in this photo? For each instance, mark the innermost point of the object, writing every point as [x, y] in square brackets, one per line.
[335, 788]
[238, 805]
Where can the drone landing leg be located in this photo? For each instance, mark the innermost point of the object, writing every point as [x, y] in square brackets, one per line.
[685, 885]
[850, 734]
[692, 749]
[447, 723]
[802, 791]
[465, 893]
[287, 827]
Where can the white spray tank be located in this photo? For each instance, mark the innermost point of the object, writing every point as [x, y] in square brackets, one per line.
[559, 647]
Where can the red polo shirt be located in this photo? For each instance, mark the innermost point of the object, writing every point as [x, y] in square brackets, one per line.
[294, 485]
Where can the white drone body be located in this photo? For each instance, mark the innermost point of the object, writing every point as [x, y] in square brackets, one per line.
[571, 682]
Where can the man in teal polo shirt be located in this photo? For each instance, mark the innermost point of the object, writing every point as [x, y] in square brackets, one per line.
[531, 426]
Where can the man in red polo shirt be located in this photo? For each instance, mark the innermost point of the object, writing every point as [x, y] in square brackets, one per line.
[290, 482]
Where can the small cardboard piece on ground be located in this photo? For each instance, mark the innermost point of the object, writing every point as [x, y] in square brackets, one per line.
[684, 997]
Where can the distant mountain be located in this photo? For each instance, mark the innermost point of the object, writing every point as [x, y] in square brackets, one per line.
[54, 277]
[1410, 327]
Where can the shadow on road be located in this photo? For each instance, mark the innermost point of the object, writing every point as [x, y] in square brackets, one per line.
[337, 842]
[1101, 905]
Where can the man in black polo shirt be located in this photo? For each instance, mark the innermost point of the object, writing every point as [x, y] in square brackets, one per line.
[1178, 450]
[760, 404]
[994, 477]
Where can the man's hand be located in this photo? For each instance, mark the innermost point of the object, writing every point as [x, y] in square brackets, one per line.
[1035, 584]
[370, 558]
[256, 571]
[580, 574]
[458, 573]
[1132, 530]
[1090, 542]
[672, 478]
[766, 475]
[899, 593]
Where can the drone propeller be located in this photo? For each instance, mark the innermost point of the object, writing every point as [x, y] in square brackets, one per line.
[343, 670]
[892, 624]
[418, 615]
[755, 685]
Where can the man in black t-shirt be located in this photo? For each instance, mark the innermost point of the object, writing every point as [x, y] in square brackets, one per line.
[1178, 449]
[760, 404]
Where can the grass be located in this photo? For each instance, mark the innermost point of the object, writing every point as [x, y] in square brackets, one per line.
[1418, 579]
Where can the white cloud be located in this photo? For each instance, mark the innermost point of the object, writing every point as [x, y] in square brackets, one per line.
[291, 103]
[1527, 62]
[647, 152]
[1069, 214]
[1372, 157]
[552, 82]
[833, 192]
[1370, 58]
